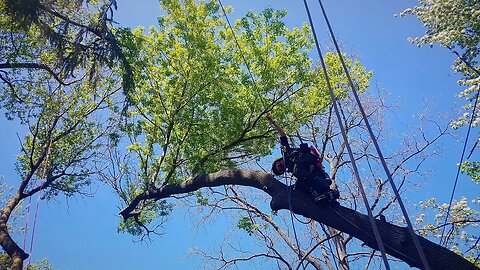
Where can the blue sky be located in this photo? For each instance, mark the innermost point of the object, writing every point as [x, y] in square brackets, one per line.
[80, 233]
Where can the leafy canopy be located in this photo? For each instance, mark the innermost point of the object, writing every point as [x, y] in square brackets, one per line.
[51, 81]
[203, 91]
[455, 24]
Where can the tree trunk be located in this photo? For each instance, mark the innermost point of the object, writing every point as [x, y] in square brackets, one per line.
[397, 240]
[16, 254]
[340, 248]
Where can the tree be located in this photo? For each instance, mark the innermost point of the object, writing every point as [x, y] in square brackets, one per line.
[199, 114]
[54, 83]
[76, 32]
[454, 24]
[201, 99]
[270, 231]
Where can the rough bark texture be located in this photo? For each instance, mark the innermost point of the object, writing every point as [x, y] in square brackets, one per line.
[397, 240]
[16, 254]
[341, 250]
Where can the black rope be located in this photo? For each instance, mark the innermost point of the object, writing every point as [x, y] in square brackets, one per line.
[459, 168]
[347, 144]
[375, 143]
[478, 255]
[464, 147]
[335, 258]
[240, 49]
[289, 196]
[367, 233]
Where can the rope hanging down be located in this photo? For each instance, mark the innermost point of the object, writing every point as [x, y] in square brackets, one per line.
[464, 147]
[377, 147]
[42, 181]
[347, 144]
[263, 103]
[241, 51]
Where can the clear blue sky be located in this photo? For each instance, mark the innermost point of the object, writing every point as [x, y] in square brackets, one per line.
[81, 233]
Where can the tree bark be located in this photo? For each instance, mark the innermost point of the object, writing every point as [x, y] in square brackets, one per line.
[341, 250]
[16, 254]
[396, 239]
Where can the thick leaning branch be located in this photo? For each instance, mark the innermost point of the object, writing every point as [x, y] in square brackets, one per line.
[397, 240]
[33, 66]
[256, 179]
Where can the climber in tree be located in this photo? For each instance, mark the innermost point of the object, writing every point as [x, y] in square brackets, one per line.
[305, 165]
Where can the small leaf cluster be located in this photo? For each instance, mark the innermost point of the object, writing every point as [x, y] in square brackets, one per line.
[245, 223]
[461, 225]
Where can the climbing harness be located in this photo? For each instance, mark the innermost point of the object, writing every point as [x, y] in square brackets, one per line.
[255, 85]
[336, 108]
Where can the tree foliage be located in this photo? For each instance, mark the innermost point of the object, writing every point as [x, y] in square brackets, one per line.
[455, 24]
[203, 90]
[57, 83]
[463, 223]
[199, 109]
[67, 34]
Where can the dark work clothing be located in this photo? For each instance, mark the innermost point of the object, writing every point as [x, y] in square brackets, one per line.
[303, 165]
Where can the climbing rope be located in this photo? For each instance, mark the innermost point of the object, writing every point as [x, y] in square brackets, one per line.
[241, 51]
[299, 253]
[42, 182]
[289, 197]
[330, 237]
[377, 147]
[458, 170]
[464, 147]
[263, 103]
[366, 233]
[347, 144]
[476, 258]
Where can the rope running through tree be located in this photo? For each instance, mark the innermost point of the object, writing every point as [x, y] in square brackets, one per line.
[377, 147]
[347, 144]
[42, 182]
[464, 147]
[255, 85]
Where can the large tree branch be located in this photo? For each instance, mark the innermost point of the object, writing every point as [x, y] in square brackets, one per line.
[397, 241]
[33, 66]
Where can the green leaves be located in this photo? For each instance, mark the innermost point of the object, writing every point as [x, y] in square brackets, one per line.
[150, 212]
[204, 89]
[455, 24]
[472, 169]
[246, 224]
[197, 100]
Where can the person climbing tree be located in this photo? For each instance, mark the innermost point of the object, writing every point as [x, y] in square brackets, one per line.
[305, 165]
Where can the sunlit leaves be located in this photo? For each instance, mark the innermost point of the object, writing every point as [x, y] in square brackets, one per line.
[460, 227]
[245, 223]
[203, 89]
[455, 24]
[472, 169]
[150, 212]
